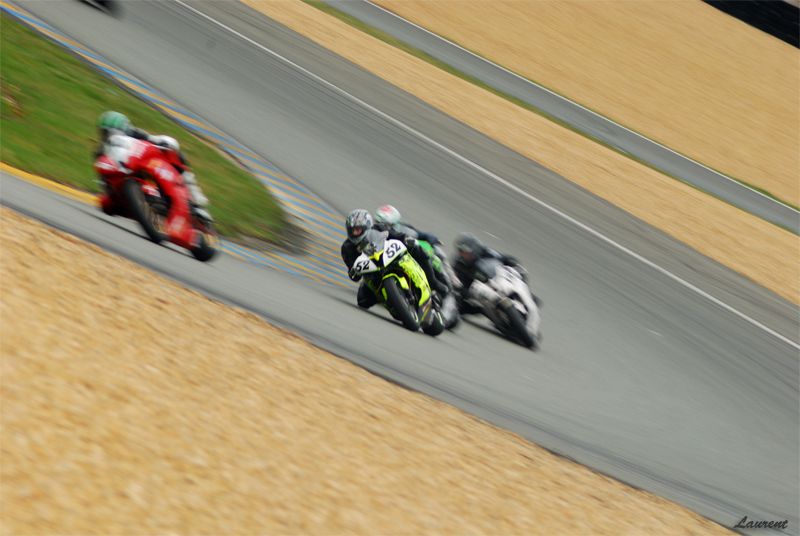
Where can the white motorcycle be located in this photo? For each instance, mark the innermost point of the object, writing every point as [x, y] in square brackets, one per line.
[505, 298]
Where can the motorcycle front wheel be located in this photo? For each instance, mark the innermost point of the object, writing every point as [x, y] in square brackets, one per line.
[519, 328]
[399, 306]
[205, 250]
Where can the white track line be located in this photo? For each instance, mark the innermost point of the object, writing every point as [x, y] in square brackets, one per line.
[496, 177]
[573, 103]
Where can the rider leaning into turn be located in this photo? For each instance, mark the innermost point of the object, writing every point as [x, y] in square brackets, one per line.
[388, 218]
[358, 223]
[469, 250]
[112, 124]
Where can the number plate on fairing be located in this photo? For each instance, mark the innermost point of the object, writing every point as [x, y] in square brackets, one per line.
[393, 250]
[364, 265]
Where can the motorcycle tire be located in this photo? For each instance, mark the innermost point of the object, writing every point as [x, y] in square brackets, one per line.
[204, 251]
[398, 303]
[142, 212]
[518, 327]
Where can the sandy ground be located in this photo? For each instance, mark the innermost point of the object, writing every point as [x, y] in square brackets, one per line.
[134, 406]
[760, 251]
[681, 72]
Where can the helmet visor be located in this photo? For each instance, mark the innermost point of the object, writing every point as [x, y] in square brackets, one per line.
[356, 233]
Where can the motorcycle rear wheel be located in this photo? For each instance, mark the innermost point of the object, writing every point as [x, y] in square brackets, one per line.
[150, 220]
[398, 304]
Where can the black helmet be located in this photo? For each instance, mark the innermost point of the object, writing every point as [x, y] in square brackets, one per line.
[468, 248]
[358, 223]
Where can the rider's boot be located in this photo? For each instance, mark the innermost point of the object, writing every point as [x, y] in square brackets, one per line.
[366, 296]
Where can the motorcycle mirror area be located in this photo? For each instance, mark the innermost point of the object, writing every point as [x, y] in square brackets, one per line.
[368, 249]
[373, 242]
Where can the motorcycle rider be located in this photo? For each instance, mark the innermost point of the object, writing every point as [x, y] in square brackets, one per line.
[358, 222]
[137, 156]
[388, 218]
[469, 250]
[111, 124]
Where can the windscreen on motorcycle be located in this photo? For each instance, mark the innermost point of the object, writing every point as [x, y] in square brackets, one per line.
[487, 267]
[373, 241]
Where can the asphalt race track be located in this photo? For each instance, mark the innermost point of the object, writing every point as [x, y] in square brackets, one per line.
[580, 118]
[640, 376]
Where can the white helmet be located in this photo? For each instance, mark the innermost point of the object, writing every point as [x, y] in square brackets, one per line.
[387, 215]
[166, 142]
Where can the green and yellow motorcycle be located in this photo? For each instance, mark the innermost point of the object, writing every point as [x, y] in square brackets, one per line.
[399, 283]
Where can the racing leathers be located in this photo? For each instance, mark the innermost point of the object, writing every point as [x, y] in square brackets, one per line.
[131, 132]
[366, 297]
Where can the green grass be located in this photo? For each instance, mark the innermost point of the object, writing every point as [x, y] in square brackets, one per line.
[393, 41]
[50, 104]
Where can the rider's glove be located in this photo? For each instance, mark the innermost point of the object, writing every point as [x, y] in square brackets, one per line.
[411, 242]
[351, 273]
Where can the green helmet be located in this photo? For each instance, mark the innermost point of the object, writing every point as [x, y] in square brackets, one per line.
[113, 120]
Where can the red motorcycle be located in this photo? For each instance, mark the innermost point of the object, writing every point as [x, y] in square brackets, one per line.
[144, 183]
